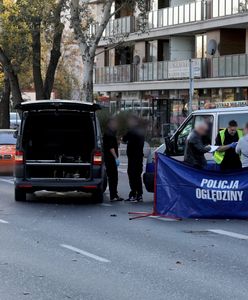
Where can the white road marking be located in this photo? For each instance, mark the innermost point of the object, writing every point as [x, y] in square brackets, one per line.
[122, 171]
[85, 253]
[105, 204]
[7, 180]
[163, 219]
[229, 233]
[3, 221]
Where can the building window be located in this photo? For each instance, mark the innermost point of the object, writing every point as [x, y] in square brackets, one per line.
[201, 46]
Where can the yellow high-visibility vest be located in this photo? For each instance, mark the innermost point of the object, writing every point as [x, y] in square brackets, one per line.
[219, 156]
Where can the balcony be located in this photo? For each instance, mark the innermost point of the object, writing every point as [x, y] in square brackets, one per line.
[198, 10]
[195, 12]
[218, 67]
[115, 74]
[229, 66]
[119, 27]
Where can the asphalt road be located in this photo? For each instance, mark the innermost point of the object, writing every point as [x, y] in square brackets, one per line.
[62, 247]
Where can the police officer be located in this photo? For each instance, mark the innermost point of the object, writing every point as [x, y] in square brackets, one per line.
[135, 143]
[227, 139]
[110, 148]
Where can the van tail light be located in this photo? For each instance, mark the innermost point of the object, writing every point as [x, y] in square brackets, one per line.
[19, 157]
[97, 158]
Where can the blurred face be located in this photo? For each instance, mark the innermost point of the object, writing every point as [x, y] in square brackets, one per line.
[202, 129]
[113, 125]
[132, 122]
[232, 130]
[246, 130]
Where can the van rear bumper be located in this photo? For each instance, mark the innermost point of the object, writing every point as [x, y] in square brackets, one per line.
[59, 185]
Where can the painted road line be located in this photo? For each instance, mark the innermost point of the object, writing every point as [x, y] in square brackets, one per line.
[85, 253]
[106, 204]
[7, 180]
[3, 221]
[163, 219]
[229, 233]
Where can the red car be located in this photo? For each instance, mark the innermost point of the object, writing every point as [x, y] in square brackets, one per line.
[7, 151]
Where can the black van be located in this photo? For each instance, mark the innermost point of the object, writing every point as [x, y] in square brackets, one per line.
[59, 149]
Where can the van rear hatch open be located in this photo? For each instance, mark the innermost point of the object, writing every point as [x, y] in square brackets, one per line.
[58, 139]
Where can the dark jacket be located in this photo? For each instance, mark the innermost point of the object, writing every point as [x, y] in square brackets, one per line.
[109, 142]
[195, 150]
[135, 143]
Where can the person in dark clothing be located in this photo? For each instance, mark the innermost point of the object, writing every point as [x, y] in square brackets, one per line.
[135, 143]
[110, 149]
[195, 148]
[226, 155]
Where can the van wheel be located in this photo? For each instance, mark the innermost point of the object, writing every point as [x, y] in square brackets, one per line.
[97, 197]
[20, 195]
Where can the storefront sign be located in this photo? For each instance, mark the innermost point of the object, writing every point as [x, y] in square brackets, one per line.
[181, 69]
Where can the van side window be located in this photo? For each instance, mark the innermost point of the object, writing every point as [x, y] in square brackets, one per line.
[182, 136]
[186, 130]
[224, 119]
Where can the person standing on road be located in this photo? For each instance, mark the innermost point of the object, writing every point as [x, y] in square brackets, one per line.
[110, 148]
[195, 148]
[242, 148]
[227, 139]
[135, 140]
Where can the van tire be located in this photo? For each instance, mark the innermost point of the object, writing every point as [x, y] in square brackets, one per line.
[97, 197]
[20, 195]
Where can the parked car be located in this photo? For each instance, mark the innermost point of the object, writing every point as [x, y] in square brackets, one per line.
[15, 120]
[7, 151]
[59, 149]
[174, 145]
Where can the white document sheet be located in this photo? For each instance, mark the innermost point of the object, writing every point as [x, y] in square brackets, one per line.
[213, 149]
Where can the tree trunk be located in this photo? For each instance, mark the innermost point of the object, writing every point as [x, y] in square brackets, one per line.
[53, 63]
[55, 52]
[36, 47]
[88, 67]
[4, 105]
[13, 78]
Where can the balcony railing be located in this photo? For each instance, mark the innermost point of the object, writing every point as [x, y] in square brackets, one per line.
[223, 66]
[120, 26]
[190, 12]
[166, 70]
[229, 66]
[115, 74]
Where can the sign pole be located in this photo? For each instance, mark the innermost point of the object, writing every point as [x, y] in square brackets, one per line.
[191, 85]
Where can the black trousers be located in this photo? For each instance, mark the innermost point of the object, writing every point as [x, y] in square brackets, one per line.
[135, 168]
[112, 174]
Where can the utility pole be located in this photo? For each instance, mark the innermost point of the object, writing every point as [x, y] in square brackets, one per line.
[191, 85]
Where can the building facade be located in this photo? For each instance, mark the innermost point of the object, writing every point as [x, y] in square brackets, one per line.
[150, 72]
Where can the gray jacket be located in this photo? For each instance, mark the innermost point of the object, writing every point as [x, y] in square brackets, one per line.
[242, 148]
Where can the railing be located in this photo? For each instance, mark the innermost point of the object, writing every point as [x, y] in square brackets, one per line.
[190, 12]
[115, 74]
[166, 70]
[223, 66]
[222, 8]
[229, 66]
[195, 11]
[120, 26]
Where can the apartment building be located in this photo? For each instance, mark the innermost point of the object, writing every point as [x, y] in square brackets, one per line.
[150, 72]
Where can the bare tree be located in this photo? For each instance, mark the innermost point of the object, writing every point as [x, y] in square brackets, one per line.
[88, 29]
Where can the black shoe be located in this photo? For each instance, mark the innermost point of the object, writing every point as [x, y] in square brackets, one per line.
[130, 198]
[115, 199]
[139, 198]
